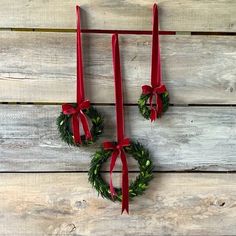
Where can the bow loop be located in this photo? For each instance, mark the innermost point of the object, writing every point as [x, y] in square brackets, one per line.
[109, 145]
[125, 142]
[160, 89]
[68, 109]
[84, 105]
[147, 89]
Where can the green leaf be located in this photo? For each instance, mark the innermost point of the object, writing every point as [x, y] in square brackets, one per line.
[148, 163]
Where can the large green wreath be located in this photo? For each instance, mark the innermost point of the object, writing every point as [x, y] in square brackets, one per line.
[64, 126]
[137, 187]
[144, 108]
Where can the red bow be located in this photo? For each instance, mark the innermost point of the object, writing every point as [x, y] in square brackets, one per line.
[119, 151]
[155, 91]
[77, 116]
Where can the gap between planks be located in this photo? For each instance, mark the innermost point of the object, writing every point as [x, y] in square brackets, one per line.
[135, 32]
[113, 104]
[130, 172]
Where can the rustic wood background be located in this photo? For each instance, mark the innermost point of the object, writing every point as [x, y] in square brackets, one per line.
[44, 188]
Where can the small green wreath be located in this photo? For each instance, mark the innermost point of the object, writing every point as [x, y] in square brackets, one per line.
[64, 126]
[137, 187]
[145, 109]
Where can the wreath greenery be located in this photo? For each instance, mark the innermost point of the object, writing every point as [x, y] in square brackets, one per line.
[137, 187]
[145, 109]
[64, 126]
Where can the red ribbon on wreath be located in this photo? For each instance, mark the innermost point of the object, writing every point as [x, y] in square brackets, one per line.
[121, 140]
[156, 88]
[77, 112]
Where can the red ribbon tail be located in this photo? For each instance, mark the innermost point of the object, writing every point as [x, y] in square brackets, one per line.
[161, 89]
[68, 109]
[159, 107]
[75, 128]
[112, 165]
[85, 125]
[112, 189]
[153, 114]
[150, 101]
[125, 184]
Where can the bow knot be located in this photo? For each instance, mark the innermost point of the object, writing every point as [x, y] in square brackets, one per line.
[147, 89]
[155, 91]
[118, 150]
[116, 145]
[77, 116]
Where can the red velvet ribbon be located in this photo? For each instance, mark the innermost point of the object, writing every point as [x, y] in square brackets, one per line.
[121, 140]
[156, 88]
[77, 112]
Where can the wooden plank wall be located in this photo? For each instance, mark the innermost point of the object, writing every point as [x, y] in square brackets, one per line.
[44, 188]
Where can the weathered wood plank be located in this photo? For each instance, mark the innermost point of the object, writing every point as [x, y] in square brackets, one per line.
[177, 15]
[186, 138]
[65, 204]
[40, 67]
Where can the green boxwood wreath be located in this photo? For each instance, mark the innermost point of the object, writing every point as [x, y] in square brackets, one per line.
[137, 187]
[64, 126]
[144, 108]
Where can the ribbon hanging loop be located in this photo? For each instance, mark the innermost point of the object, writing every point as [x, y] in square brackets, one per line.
[77, 112]
[156, 88]
[118, 147]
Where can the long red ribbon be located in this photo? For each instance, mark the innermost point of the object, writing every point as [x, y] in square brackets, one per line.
[77, 112]
[156, 88]
[80, 76]
[156, 60]
[121, 140]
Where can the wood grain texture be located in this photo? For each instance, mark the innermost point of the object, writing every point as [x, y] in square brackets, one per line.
[185, 138]
[176, 15]
[40, 67]
[65, 204]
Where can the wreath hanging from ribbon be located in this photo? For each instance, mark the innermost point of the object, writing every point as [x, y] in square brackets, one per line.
[120, 148]
[73, 115]
[137, 187]
[64, 123]
[157, 89]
